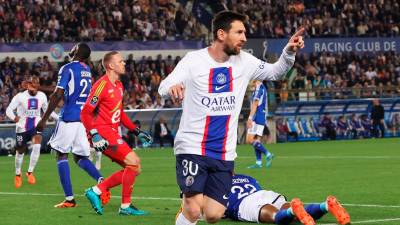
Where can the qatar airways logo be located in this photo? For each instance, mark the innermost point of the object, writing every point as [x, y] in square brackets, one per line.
[219, 103]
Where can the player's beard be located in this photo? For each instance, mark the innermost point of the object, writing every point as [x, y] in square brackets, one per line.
[231, 50]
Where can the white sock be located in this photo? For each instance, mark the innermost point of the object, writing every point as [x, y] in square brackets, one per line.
[125, 205]
[98, 160]
[18, 162]
[34, 157]
[259, 163]
[69, 198]
[181, 220]
[96, 190]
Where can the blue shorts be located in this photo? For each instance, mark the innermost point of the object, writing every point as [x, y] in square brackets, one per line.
[23, 138]
[199, 174]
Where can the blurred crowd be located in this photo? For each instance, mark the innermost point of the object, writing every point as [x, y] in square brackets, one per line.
[96, 20]
[113, 20]
[363, 73]
[331, 18]
[141, 80]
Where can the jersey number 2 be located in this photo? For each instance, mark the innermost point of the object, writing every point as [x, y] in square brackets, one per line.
[84, 85]
[243, 192]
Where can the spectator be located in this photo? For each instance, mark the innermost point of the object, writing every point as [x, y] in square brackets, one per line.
[162, 132]
[377, 119]
[328, 127]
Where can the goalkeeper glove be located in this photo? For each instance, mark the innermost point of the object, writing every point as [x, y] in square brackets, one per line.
[99, 143]
[144, 137]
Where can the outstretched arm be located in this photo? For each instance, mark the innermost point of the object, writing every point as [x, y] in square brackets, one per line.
[55, 98]
[277, 70]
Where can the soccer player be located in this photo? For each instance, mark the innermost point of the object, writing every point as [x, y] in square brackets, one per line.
[249, 202]
[28, 106]
[256, 123]
[212, 83]
[102, 115]
[74, 83]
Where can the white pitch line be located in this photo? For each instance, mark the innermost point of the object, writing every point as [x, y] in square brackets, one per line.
[368, 221]
[178, 199]
[48, 194]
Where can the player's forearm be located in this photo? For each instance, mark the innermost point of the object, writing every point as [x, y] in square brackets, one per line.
[127, 122]
[55, 98]
[279, 69]
[253, 109]
[10, 113]
[87, 118]
[165, 85]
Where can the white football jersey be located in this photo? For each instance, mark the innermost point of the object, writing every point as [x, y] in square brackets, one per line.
[28, 110]
[213, 98]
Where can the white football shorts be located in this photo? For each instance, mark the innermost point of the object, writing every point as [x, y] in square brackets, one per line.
[256, 129]
[249, 208]
[70, 137]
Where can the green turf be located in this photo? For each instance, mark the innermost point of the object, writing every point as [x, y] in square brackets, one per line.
[359, 173]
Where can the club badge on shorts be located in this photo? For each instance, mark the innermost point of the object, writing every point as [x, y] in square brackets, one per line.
[189, 181]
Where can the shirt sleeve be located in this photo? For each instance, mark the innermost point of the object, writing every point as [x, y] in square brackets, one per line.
[275, 71]
[12, 107]
[177, 76]
[258, 93]
[126, 121]
[64, 76]
[95, 96]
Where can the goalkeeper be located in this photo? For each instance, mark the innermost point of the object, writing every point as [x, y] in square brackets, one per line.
[101, 115]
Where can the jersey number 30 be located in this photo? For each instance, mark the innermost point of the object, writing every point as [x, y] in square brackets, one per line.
[243, 192]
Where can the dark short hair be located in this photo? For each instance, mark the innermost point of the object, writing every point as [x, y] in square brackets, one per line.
[224, 19]
[81, 50]
[107, 57]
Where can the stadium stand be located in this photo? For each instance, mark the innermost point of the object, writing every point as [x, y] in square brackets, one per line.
[317, 76]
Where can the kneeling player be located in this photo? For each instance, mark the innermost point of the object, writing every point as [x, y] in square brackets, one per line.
[249, 202]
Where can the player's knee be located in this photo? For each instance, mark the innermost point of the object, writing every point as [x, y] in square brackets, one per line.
[213, 217]
[135, 168]
[193, 212]
[78, 157]
[61, 156]
[132, 160]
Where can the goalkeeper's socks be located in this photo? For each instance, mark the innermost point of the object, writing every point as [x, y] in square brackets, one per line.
[317, 210]
[284, 216]
[88, 166]
[114, 180]
[128, 180]
[65, 178]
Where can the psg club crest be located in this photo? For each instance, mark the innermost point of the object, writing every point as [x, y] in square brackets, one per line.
[189, 181]
[221, 78]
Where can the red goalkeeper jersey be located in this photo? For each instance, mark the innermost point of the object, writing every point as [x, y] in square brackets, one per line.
[104, 106]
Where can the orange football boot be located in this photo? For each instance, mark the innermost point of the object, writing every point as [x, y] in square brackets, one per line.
[17, 181]
[66, 204]
[337, 210]
[31, 178]
[300, 212]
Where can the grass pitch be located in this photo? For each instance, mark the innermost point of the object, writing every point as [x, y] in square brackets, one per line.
[363, 174]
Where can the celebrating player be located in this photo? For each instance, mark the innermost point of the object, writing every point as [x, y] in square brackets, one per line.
[212, 83]
[74, 83]
[102, 115]
[249, 202]
[256, 123]
[28, 106]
